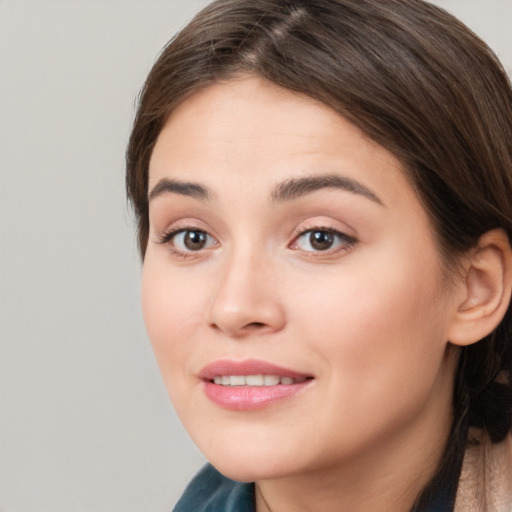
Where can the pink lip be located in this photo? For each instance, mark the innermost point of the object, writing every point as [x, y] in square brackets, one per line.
[247, 398]
[247, 367]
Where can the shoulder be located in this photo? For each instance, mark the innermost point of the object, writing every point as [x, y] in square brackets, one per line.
[486, 478]
[210, 491]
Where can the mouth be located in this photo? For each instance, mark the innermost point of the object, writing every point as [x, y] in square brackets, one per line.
[255, 380]
[251, 384]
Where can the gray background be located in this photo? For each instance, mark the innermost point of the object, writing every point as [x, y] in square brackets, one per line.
[85, 423]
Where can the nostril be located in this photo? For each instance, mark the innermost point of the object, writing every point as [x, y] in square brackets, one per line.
[255, 325]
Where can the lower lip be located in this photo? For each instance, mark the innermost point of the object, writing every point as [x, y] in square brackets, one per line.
[250, 398]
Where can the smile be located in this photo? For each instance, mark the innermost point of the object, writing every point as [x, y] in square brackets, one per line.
[250, 384]
[255, 380]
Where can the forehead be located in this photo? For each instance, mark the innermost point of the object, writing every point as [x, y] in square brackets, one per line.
[253, 133]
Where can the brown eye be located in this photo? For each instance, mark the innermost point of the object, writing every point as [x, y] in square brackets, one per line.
[195, 240]
[321, 240]
[189, 240]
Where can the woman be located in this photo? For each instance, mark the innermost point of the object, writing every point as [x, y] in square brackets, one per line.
[323, 200]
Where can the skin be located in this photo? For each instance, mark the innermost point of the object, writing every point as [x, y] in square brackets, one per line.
[368, 318]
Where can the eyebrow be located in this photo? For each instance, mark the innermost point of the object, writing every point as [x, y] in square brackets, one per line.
[165, 186]
[288, 190]
[298, 187]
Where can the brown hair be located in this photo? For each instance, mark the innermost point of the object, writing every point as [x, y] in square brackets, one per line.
[415, 80]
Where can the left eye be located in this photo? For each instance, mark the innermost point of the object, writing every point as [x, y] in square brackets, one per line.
[318, 240]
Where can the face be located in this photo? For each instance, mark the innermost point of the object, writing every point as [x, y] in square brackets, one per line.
[292, 289]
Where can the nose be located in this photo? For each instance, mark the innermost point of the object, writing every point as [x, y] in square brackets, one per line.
[247, 299]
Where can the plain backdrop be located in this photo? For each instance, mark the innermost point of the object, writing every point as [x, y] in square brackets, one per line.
[85, 422]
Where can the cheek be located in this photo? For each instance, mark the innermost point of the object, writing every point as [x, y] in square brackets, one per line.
[170, 310]
[381, 324]
[377, 338]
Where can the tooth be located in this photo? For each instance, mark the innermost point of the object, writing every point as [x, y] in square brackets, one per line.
[270, 380]
[237, 380]
[254, 380]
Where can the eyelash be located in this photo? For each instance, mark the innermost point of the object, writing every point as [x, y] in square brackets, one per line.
[169, 236]
[345, 242]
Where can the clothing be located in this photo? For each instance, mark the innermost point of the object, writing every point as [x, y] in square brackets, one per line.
[488, 490]
[210, 491]
[485, 483]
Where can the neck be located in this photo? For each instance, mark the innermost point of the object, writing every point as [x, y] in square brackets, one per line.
[388, 475]
[378, 484]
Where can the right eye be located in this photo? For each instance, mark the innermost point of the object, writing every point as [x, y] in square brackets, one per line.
[185, 241]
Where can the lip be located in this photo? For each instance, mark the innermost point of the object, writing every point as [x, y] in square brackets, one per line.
[247, 367]
[247, 398]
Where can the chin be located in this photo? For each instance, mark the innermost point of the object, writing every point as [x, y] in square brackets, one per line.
[249, 464]
[244, 472]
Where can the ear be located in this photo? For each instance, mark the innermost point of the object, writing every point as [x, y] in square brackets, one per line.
[486, 289]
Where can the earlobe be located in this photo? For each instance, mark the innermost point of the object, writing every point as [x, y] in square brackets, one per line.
[487, 289]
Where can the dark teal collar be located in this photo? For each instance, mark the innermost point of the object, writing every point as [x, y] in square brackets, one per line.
[210, 491]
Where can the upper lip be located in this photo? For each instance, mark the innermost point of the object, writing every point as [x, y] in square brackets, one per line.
[247, 367]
